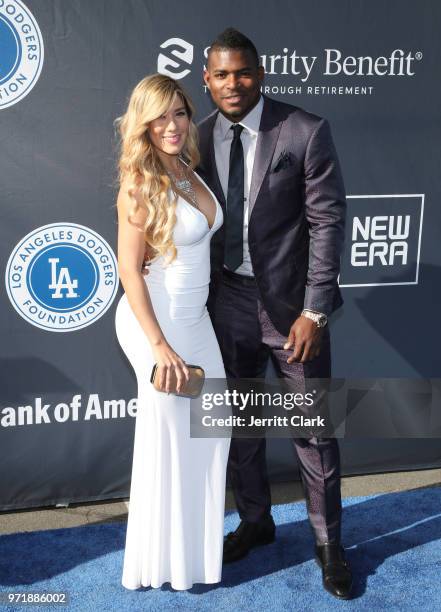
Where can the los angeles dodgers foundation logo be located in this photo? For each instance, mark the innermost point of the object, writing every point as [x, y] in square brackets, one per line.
[21, 52]
[62, 277]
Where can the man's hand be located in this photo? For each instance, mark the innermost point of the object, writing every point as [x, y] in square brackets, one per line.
[144, 268]
[148, 254]
[305, 338]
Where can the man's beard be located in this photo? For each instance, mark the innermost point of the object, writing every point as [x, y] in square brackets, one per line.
[236, 113]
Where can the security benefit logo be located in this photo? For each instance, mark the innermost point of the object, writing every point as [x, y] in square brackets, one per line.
[21, 52]
[62, 277]
[382, 243]
[182, 51]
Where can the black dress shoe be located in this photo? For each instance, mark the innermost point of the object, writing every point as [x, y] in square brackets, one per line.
[237, 544]
[336, 573]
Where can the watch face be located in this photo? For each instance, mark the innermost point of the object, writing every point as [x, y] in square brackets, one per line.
[322, 320]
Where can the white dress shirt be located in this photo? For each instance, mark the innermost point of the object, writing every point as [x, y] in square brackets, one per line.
[223, 137]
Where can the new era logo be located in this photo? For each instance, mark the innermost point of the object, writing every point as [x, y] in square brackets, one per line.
[383, 239]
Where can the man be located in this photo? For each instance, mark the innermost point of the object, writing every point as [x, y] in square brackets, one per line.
[275, 263]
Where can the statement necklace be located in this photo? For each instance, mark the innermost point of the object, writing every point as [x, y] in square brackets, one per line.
[183, 183]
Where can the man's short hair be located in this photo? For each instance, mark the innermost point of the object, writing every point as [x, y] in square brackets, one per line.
[235, 40]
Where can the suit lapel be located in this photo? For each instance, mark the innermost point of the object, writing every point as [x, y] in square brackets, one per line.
[266, 143]
[208, 159]
[214, 175]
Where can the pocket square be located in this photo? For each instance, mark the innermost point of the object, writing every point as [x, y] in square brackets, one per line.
[284, 160]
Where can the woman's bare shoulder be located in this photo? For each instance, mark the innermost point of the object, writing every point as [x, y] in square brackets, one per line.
[129, 195]
[131, 184]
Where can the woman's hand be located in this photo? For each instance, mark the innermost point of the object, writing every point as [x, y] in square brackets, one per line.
[169, 366]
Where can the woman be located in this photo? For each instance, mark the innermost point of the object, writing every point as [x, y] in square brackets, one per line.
[175, 522]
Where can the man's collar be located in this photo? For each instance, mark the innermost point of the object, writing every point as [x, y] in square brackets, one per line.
[251, 121]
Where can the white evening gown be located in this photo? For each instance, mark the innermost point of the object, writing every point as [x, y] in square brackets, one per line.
[177, 494]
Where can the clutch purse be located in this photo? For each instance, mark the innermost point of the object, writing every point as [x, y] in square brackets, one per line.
[192, 388]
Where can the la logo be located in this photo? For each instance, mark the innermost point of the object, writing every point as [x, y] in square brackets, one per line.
[63, 281]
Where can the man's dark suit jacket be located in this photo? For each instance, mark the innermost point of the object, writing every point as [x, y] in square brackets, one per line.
[296, 213]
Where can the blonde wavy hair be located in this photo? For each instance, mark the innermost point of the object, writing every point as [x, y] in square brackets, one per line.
[141, 164]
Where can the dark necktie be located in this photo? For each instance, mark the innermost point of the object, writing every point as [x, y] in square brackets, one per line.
[234, 221]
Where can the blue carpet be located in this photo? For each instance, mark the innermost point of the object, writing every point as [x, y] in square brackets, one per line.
[392, 542]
